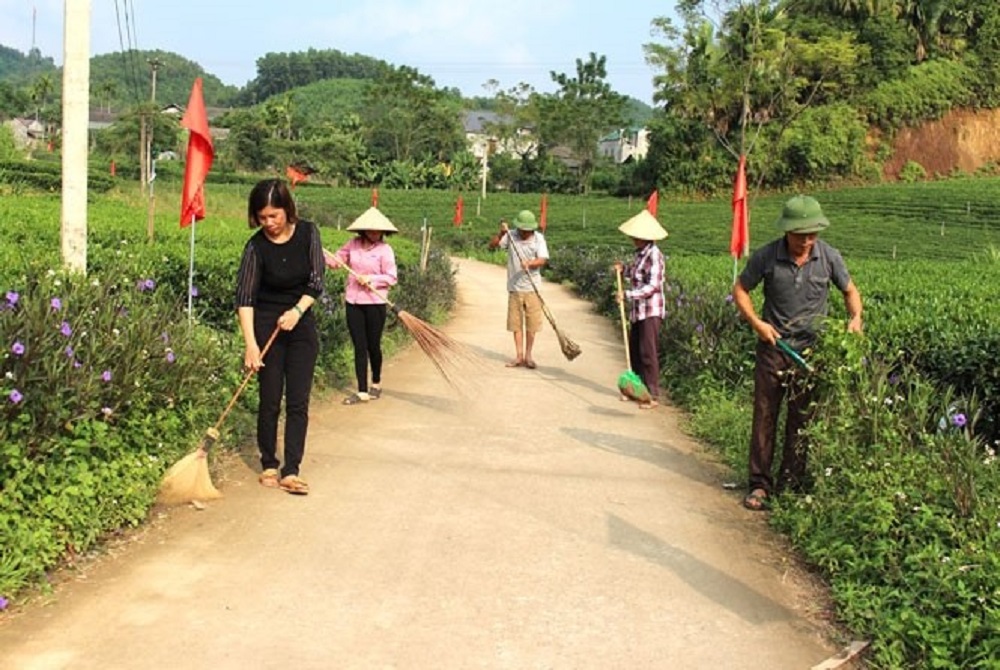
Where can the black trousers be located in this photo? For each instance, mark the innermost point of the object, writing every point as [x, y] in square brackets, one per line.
[365, 323]
[643, 343]
[288, 371]
[775, 378]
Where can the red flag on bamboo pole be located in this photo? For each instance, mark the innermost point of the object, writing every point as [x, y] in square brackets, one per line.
[295, 175]
[457, 219]
[739, 239]
[544, 213]
[375, 198]
[199, 157]
[653, 202]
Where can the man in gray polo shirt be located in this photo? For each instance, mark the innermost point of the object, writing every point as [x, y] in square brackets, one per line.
[797, 271]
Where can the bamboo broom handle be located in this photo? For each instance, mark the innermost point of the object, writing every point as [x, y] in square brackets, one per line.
[246, 380]
[621, 310]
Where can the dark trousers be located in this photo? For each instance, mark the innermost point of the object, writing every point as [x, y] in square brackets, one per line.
[365, 323]
[643, 343]
[288, 370]
[776, 378]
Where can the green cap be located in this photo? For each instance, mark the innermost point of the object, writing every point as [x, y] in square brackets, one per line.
[525, 220]
[801, 214]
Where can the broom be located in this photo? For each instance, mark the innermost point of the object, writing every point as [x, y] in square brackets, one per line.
[629, 383]
[444, 352]
[188, 479]
[570, 349]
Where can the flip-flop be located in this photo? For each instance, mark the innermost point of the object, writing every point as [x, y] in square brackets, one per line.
[294, 485]
[269, 478]
[756, 501]
[515, 364]
[530, 364]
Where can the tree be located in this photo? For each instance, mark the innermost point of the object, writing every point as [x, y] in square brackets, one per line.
[752, 74]
[584, 109]
[406, 117]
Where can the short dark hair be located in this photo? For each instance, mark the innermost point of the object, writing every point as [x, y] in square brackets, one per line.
[270, 193]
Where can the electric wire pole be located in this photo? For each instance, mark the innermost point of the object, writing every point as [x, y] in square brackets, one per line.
[155, 64]
[75, 119]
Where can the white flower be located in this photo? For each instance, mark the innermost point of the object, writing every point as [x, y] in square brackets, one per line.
[828, 472]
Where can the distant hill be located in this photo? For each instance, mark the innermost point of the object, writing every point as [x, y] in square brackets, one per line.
[18, 68]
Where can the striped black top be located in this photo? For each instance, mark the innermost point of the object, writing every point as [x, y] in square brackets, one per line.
[277, 275]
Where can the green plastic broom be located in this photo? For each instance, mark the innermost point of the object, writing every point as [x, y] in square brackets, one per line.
[629, 383]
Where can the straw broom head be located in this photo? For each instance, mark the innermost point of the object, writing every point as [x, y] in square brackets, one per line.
[188, 479]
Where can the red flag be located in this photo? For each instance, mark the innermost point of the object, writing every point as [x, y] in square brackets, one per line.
[295, 175]
[653, 202]
[457, 220]
[114, 170]
[375, 197]
[199, 157]
[739, 240]
[544, 213]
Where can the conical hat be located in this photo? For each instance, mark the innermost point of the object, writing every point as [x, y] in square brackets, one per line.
[643, 226]
[373, 219]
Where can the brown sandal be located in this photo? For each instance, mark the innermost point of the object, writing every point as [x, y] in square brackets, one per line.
[269, 478]
[757, 500]
[294, 484]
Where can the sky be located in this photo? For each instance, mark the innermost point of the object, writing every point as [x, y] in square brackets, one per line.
[458, 44]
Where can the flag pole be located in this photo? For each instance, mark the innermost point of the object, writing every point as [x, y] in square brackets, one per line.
[191, 276]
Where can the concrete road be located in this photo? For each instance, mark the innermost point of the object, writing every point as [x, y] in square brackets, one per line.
[533, 521]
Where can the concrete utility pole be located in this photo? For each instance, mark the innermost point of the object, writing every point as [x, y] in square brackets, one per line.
[75, 118]
[155, 64]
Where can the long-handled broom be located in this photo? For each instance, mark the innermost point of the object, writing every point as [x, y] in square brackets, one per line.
[629, 383]
[570, 349]
[446, 354]
[188, 479]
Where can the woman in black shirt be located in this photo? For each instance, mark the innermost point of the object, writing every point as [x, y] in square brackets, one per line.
[280, 277]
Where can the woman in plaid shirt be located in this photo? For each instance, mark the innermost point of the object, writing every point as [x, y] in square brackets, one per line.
[645, 275]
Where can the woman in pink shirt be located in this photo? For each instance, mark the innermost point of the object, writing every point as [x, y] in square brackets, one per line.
[374, 265]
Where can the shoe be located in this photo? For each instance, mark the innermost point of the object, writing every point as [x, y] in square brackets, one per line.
[356, 398]
[375, 392]
[269, 478]
[294, 485]
[757, 500]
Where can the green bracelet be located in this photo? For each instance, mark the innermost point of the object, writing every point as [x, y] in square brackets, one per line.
[299, 310]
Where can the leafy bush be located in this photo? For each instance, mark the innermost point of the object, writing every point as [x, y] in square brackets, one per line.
[912, 172]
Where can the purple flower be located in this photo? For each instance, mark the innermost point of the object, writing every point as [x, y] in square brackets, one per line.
[17, 348]
[15, 396]
[12, 298]
[56, 304]
[729, 297]
[77, 364]
[106, 376]
[958, 420]
[194, 291]
[170, 356]
[69, 351]
[3, 603]
[145, 284]
[894, 378]
[699, 328]
[65, 329]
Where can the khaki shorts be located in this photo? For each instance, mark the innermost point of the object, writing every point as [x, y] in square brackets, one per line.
[526, 309]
